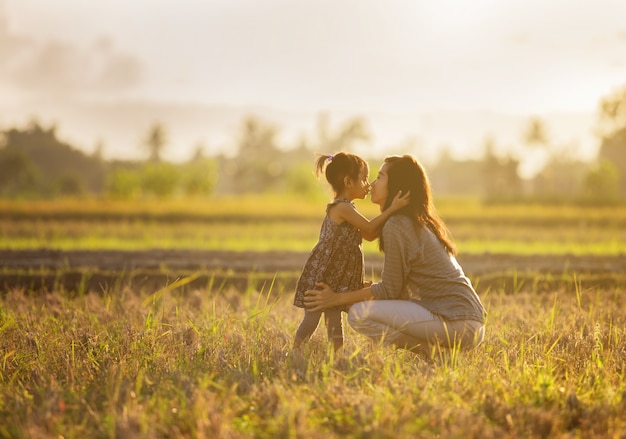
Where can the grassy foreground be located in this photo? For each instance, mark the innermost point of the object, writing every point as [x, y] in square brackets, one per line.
[212, 364]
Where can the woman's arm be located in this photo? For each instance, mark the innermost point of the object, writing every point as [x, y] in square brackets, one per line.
[370, 229]
[398, 238]
[317, 300]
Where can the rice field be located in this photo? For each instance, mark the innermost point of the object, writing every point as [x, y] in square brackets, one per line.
[267, 223]
[213, 360]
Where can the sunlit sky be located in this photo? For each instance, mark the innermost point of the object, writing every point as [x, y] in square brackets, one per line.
[396, 56]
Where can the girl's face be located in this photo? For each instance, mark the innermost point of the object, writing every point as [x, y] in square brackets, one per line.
[361, 187]
[379, 190]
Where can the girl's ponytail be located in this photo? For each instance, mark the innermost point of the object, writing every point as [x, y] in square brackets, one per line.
[322, 162]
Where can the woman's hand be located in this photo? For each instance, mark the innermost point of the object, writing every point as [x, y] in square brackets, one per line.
[400, 200]
[317, 300]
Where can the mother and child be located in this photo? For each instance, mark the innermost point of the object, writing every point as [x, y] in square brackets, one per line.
[423, 300]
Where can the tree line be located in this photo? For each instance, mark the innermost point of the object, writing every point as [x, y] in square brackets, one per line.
[35, 163]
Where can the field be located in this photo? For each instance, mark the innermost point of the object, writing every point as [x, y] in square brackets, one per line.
[175, 320]
[262, 224]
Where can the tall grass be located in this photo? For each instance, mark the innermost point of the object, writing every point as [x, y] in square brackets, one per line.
[212, 363]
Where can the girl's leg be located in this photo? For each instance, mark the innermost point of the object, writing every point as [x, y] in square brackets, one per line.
[409, 325]
[307, 327]
[334, 327]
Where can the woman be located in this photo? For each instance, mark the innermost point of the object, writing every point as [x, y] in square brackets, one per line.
[424, 299]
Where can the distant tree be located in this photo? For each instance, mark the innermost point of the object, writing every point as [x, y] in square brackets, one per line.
[602, 183]
[18, 174]
[155, 142]
[123, 183]
[613, 150]
[612, 130]
[562, 176]
[160, 180]
[500, 175]
[301, 181]
[98, 152]
[52, 158]
[302, 152]
[538, 148]
[536, 133]
[258, 166]
[344, 138]
[612, 113]
[69, 185]
[198, 153]
[491, 174]
[199, 177]
[199, 174]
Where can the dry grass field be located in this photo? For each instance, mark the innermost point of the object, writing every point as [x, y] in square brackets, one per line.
[184, 341]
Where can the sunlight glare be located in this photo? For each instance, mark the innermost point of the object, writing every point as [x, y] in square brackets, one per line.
[453, 16]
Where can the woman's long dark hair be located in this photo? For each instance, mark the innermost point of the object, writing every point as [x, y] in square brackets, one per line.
[405, 173]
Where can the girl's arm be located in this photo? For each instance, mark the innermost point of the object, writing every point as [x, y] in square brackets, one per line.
[317, 300]
[370, 229]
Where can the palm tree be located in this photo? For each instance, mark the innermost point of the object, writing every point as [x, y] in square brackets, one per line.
[155, 142]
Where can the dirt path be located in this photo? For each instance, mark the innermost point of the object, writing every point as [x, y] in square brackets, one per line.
[152, 269]
[114, 260]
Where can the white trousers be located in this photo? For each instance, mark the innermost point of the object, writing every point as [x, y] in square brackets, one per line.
[408, 325]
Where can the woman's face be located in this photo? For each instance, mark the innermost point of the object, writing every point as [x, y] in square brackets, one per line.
[379, 190]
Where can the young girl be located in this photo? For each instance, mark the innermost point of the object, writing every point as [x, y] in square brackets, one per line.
[337, 259]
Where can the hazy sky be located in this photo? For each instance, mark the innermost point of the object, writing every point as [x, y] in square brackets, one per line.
[520, 56]
[442, 72]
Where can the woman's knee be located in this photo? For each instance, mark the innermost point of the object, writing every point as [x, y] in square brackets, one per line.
[360, 319]
[358, 313]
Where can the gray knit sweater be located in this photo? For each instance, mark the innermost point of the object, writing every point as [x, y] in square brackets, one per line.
[418, 268]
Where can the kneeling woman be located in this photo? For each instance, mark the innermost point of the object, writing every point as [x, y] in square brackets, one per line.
[424, 299]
